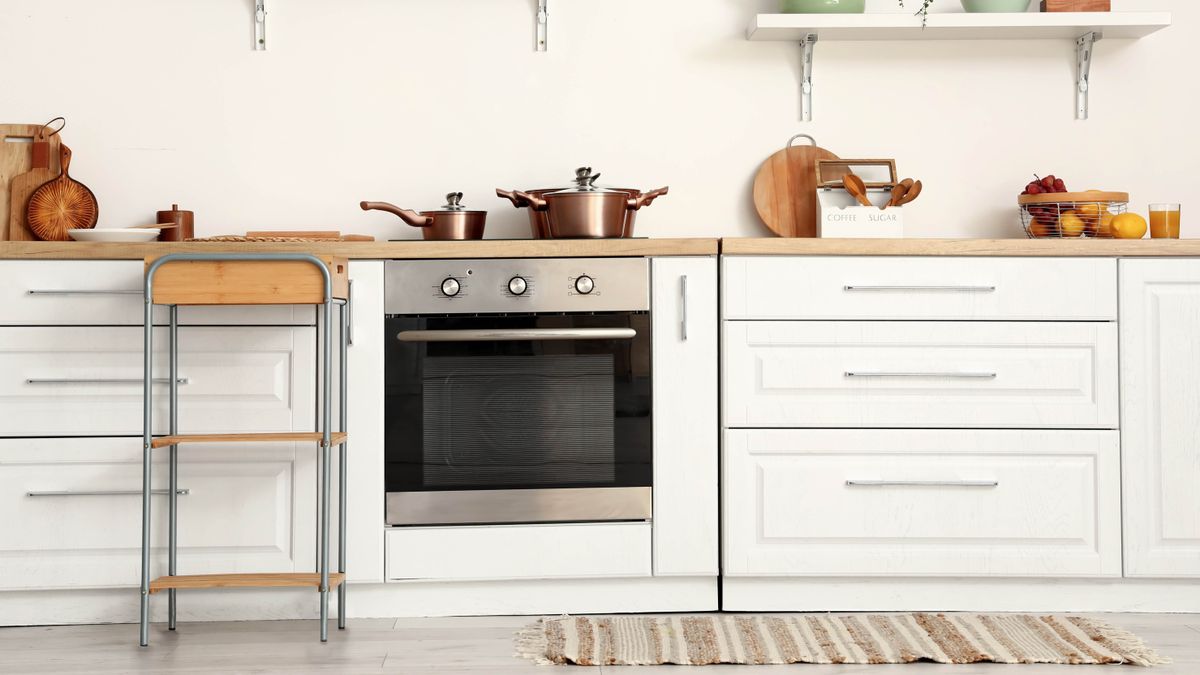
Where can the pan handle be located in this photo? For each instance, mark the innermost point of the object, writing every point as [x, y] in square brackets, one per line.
[535, 202]
[646, 198]
[407, 215]
[512, 197]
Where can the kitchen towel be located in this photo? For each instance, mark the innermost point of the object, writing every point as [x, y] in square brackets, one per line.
[825, 638]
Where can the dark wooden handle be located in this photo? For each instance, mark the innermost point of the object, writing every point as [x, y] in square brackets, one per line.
[64, 157]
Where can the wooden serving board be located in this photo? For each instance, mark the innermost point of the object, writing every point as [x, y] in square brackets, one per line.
[785, 189]
[16, 182]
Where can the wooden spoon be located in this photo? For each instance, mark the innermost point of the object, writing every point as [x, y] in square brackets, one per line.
[912, 194]
[156, 226]
[857, 189]
[898, 191]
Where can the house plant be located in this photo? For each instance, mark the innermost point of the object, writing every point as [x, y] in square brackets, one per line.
[978, 6]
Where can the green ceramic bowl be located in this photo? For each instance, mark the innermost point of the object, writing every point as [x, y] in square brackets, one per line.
[995, 5]
[823, 6]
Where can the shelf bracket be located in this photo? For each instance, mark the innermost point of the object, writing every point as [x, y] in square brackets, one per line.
[260, 25]
[543, 21]
[1083, 71]
[807, 47]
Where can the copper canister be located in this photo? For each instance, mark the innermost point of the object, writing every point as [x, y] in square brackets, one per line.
[184, 221]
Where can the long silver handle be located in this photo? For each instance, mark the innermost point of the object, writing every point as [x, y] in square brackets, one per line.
[683, 295]
[102, 493]
[88, 380]
[920, 289]
[924, 483]
[950, 375]
[72, 291]
[515, 335]
[350, 313]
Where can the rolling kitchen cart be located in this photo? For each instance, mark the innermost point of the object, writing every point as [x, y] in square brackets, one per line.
[245, 279]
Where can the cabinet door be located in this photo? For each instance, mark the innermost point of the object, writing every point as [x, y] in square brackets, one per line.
[1160, 416]
[685, 416]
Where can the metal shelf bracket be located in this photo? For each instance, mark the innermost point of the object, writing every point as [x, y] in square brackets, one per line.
[260, 25]
[1083, 71]
[807, 47]
[543, 20]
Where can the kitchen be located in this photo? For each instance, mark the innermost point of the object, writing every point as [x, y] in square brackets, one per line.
[336, 110]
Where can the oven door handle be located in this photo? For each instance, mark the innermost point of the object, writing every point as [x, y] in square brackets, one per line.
[516, 335]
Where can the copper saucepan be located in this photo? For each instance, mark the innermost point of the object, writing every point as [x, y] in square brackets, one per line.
[452, 222]
[582, 211]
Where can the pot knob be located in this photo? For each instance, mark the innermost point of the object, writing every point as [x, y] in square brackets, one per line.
[454, 201]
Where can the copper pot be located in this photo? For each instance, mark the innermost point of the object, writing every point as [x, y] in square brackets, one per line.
[452, 222]
[582, 211]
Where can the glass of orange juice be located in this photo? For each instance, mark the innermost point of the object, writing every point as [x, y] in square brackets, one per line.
[1164, 221]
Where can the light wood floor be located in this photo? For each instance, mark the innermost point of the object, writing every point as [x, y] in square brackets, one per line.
[445, 647]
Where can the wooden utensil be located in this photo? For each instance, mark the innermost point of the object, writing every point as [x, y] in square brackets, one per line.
[857, 189]
[21, 172]
[62, 204]
[898, 191]
[785, 189]
[913, 193]
[159, 226]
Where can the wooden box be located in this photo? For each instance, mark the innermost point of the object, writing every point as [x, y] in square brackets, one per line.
[1076, 5]
[241, 282]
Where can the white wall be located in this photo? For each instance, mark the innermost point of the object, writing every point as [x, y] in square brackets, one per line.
[404, 100]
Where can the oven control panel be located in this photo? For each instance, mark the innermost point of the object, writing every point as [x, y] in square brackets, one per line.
[516, 285]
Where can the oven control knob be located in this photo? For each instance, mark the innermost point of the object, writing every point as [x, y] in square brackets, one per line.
[450, 287]
[517, 285]
[584, 284]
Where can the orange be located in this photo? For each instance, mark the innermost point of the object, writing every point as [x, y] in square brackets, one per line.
[1071, 224]
[1105, 229]
[1042, 230]
[1129, 226]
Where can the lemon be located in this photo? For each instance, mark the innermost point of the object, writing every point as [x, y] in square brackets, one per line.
[1105, 229]
[1129, 226]
[1071, 224]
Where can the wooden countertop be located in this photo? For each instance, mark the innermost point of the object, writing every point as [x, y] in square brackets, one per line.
[1096, 248]
[496, 248]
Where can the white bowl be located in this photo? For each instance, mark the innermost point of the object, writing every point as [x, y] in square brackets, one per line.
[122, 235]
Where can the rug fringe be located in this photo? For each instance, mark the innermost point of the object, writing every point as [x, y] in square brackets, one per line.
[531, 643]
[1132, 646]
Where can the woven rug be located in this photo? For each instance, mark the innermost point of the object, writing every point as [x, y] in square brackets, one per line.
[824, 638]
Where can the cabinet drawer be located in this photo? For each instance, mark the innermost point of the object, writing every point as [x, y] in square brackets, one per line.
[913, 503]
[519, 551]
[72, 381]
[108, 293]
[1014, 289]
[920, 374]
[73, 511]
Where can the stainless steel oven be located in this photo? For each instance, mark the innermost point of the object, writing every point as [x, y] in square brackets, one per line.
[518, 391]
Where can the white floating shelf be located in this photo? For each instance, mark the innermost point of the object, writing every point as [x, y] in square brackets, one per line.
[1084, 28]
[956, 26]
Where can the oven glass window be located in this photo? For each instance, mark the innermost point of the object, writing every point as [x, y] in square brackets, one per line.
[492, 414]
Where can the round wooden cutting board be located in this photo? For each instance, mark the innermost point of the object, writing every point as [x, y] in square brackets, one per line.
[785, 189]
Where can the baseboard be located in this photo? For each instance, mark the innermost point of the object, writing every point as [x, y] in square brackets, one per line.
[761, 594]
[400, 599]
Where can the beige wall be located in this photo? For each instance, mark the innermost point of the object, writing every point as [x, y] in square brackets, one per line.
[404, 100]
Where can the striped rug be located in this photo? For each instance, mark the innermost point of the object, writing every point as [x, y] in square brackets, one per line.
[825, 638]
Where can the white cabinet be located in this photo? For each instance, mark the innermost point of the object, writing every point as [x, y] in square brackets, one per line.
[1160, 417]
[920, 374]
[87, 381]
[72, 510]
[917, 503]
[686, 425]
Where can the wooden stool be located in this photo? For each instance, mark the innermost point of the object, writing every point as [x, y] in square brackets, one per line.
[245, 279]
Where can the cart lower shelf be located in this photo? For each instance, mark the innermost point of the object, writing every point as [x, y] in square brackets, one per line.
[259, 580]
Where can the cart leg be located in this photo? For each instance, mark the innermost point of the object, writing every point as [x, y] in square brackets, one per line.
[342, 480]
[173, 489]
[326, 421]
[147, 403]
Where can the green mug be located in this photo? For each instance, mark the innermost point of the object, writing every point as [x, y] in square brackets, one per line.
[823, 6]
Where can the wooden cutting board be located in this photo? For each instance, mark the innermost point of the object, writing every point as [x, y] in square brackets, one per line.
[785, 189]
[19, 178]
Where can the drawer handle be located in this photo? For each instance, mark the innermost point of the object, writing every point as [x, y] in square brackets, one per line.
[130, 380]
[71, 291]
[920, 289]
[960, 376]
[102, 493]
[924, 483]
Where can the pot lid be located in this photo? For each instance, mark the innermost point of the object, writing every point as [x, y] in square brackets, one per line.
[585, 182]
[453, 202]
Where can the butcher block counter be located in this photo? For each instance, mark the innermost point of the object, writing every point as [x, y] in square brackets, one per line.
[411, 250]
[1016, 248]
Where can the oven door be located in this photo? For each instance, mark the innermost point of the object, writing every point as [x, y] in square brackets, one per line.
[518, 419]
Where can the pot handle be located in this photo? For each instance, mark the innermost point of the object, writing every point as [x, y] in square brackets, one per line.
[646, 198]
[535, 202]
[407, 215]
[512, 197]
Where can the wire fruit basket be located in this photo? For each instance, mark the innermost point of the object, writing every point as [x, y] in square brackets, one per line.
[1061, 215]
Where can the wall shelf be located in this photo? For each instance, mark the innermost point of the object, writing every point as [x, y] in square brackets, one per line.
[1082, 27]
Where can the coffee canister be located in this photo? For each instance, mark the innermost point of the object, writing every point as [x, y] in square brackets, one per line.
[184, 224]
